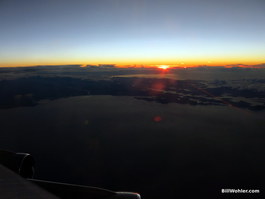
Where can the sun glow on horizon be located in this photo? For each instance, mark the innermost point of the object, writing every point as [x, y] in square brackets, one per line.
[164, 67]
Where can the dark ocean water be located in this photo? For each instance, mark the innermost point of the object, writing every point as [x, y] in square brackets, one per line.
[121, 143]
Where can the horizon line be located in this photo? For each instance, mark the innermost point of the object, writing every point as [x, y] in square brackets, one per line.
[111, 65]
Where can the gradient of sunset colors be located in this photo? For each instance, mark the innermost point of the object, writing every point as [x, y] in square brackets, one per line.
[178, 32]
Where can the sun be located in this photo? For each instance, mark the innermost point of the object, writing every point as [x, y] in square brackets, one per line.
[164, 67]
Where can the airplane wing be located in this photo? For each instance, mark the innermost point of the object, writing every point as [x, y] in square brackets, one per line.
[16, 171]
[69, 191]
[12, 186]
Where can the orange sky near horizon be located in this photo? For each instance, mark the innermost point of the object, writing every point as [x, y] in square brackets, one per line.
[135, 62]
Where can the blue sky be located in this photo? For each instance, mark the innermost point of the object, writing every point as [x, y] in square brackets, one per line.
[125, 31]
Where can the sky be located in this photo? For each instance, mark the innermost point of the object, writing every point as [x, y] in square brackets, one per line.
[187, 32]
